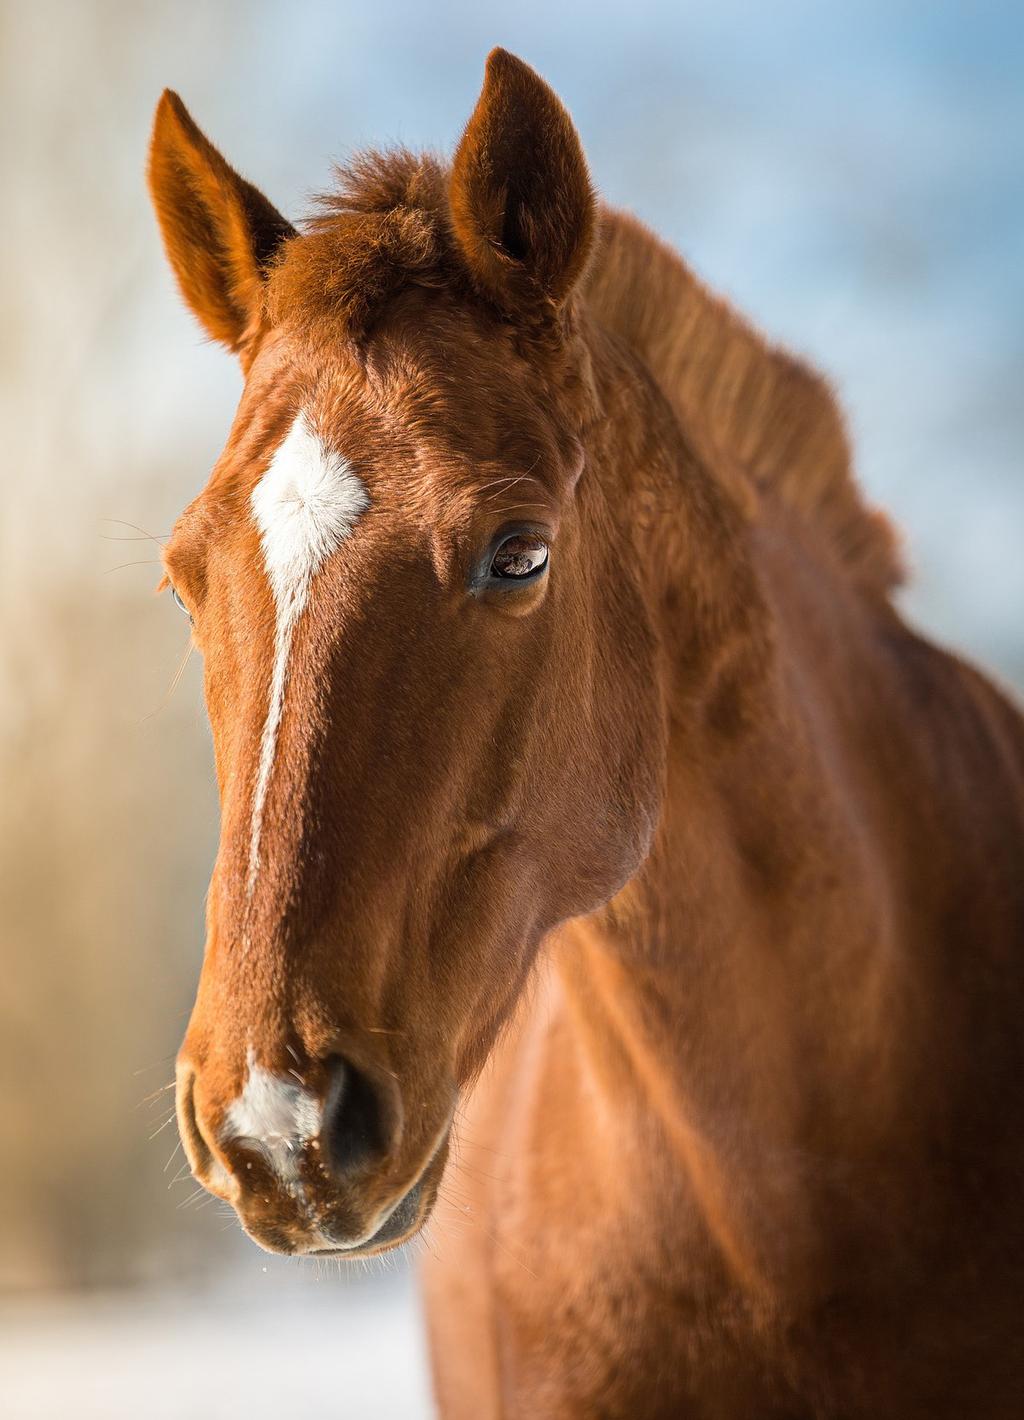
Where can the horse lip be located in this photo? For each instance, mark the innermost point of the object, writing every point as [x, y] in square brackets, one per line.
[400, 1220]
[403, 1218]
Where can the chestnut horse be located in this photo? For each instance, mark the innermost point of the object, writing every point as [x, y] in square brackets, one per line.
[596, 837]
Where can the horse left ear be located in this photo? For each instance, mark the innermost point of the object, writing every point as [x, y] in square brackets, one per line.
[221, 234]
[522, 207]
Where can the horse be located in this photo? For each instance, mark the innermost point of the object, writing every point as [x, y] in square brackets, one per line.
[607, 872]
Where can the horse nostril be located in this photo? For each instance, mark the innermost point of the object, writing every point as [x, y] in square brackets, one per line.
[358, 1122]
[197, 1151]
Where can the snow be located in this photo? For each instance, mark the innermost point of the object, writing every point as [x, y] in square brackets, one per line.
[334, 1351]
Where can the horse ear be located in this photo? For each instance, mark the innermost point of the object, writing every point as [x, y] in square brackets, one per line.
[220, 233]
[522, 207]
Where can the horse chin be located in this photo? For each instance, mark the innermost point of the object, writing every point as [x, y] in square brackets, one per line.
[400, 1227]
[401, 1223]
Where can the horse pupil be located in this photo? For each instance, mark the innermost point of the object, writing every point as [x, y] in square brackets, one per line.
[519, 556]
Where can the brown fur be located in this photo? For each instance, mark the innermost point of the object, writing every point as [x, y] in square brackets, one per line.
[689, 867]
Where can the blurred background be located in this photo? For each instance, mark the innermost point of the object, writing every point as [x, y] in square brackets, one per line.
[852, 175]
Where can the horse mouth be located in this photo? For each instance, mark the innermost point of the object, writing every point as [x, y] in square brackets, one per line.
[401, 1224]
[322, 1238]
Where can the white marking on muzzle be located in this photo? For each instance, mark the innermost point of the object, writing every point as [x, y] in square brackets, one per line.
[277, 1116]
[305, 505]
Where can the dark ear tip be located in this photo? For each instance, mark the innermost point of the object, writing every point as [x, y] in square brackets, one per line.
[170, 105]
[502, 60]
[172, 117]
[503, 68]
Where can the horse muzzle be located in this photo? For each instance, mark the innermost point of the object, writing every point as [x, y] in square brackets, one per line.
[315, 1161]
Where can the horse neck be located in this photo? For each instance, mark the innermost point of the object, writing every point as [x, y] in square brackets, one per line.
[745, 988]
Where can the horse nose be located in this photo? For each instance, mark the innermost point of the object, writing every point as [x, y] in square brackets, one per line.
[327, 1124]
[361, 1119]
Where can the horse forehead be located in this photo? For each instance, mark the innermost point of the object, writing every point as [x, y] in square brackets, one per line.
[305, 504]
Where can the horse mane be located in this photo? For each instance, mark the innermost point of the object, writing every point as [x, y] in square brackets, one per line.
[746, 405]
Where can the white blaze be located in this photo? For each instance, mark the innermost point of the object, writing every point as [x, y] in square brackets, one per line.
[305, 505]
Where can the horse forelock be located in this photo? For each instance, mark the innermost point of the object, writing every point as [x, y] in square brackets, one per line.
[383, 227]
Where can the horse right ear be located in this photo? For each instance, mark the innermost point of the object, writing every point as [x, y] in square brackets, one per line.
[220, 233]
[522, 208]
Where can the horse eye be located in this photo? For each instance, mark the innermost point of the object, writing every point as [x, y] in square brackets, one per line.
[521, 555]
[179, 603]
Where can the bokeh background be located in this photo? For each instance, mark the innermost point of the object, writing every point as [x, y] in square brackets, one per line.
[852, 175]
